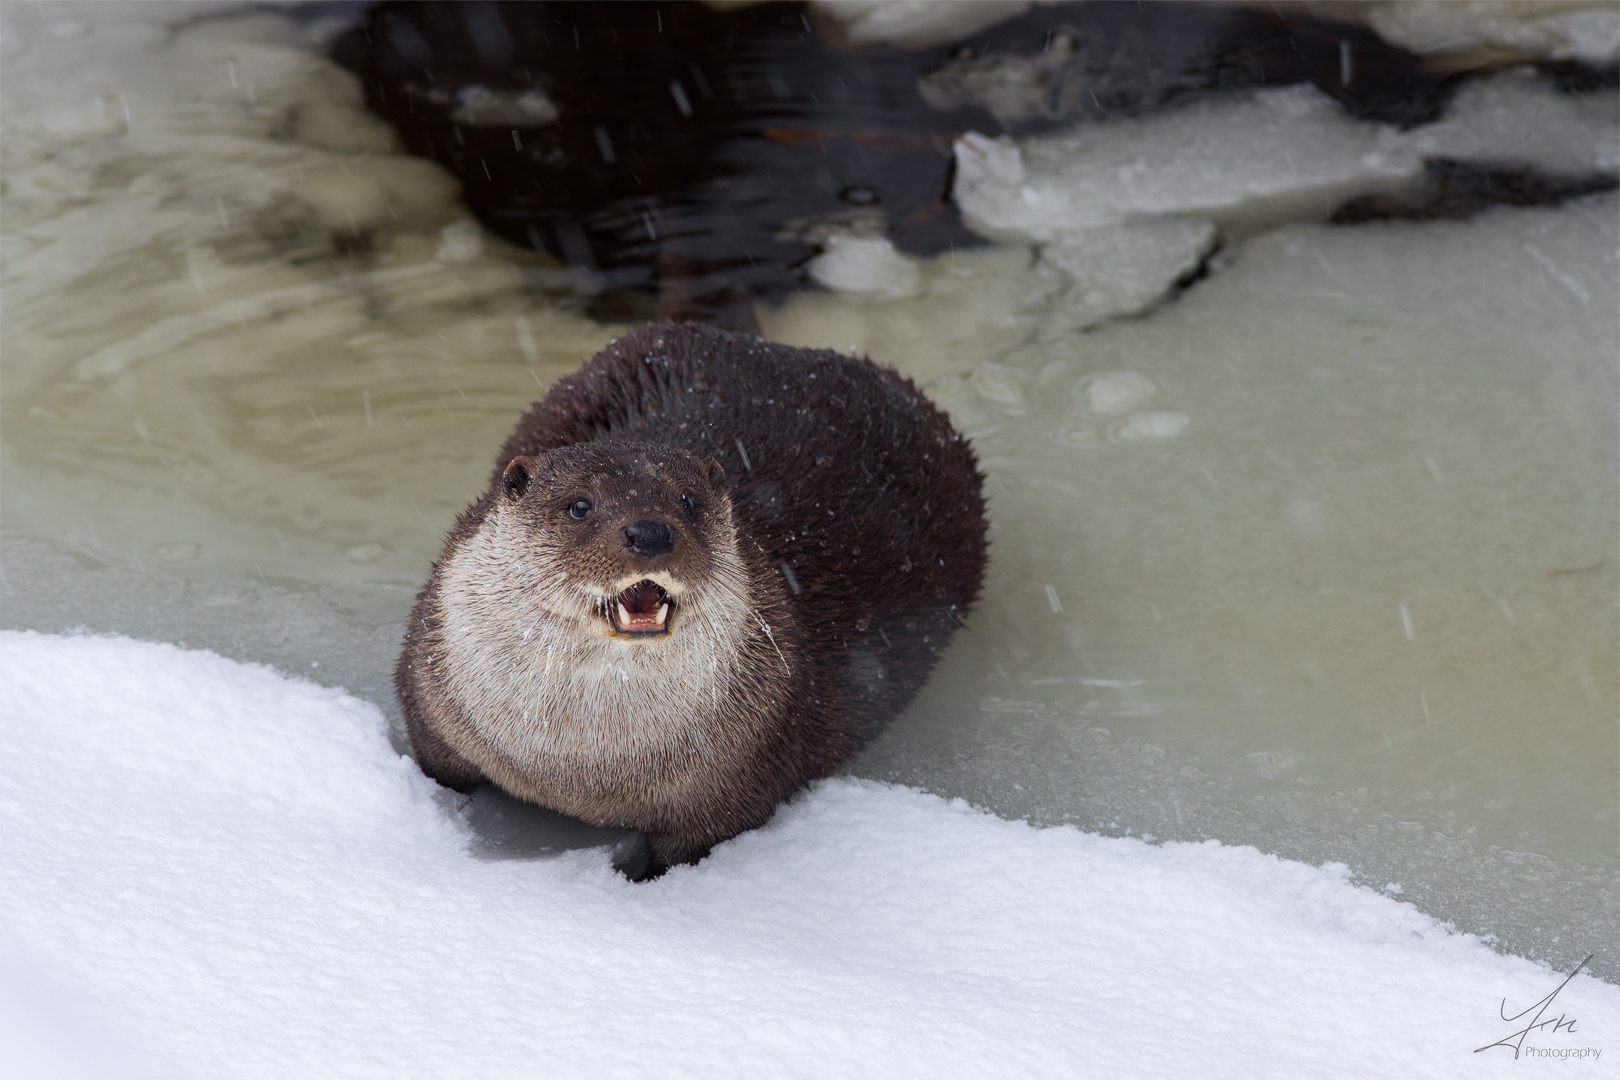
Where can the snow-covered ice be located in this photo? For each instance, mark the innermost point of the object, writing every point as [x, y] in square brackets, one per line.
[215, 870]
[1268, 156]
[1520, 119]
[1587, 30]
[1122, 210]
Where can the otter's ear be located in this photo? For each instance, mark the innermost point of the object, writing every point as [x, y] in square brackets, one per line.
[712, 470]
[515, 480]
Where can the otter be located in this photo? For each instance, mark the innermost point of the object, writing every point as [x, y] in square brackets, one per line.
[707, 569]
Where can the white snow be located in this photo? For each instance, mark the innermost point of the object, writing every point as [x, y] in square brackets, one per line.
[215, 870]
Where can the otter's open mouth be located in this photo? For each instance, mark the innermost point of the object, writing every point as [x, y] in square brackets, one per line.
[641, 610]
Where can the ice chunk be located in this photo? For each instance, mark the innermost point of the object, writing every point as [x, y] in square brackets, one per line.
[1123, 268]
[916, 24]
[1520, 119]
[971, 304]
[1262, 157]
[459, 242]
[865, 265]
[1533, 29]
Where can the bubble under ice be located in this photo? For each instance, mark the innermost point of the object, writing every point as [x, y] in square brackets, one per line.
[1114, 393]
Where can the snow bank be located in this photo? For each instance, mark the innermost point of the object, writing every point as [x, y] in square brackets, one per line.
[226, 872]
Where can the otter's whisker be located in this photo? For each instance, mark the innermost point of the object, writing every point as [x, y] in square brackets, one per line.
[765, 626]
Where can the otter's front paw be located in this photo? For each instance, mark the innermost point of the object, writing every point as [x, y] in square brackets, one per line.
[633, 858]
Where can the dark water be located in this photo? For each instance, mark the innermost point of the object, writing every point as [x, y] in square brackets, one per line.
[668, 143]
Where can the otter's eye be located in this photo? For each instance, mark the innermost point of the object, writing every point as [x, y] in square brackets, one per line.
[579, 509]
[688, 508]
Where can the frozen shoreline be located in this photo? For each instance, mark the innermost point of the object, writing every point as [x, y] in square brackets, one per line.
[226, 872]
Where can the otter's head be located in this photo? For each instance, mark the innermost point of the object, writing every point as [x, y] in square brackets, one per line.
[625, 541]
[599, 607]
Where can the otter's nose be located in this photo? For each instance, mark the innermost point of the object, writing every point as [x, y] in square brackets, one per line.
[648, 538]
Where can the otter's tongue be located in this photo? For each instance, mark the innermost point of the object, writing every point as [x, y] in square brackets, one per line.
[642, 608]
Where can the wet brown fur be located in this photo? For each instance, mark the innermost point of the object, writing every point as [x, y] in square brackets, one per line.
[841, 533]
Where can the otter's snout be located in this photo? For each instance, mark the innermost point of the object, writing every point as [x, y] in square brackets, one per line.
[648, 538]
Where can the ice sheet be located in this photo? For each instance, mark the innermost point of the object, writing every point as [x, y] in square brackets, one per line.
[1334, 604]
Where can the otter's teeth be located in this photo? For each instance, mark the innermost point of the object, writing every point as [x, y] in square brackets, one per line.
[640, 621]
